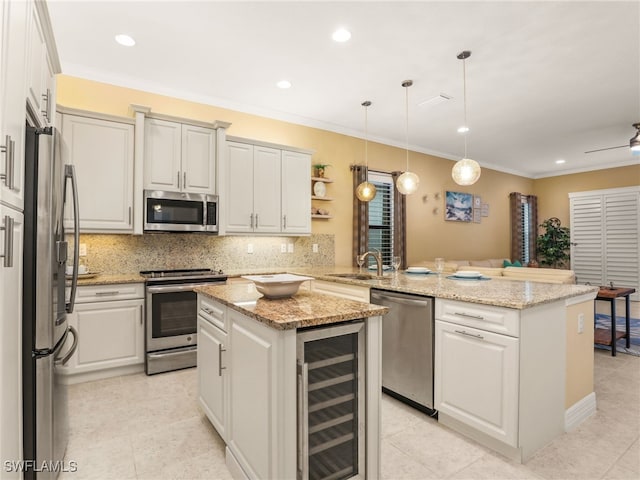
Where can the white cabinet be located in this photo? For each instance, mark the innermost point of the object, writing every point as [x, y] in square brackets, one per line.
[40, 69]
[491, 378]
[296, 193]
[12, 105]
[11, 238]
[102, 152]
[267, 190]
[253, 189]
[477, 379]
[213, 376]
[179, 157]
[109, 320]
[262, 396]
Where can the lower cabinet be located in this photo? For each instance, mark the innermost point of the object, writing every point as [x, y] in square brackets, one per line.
[213, 377]
[262, 396]
[110, 324]
[477, 379]
[492, 380]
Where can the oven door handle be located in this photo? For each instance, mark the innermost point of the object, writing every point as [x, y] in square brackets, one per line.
[175, 288]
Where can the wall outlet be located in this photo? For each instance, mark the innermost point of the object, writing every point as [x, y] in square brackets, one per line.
[283, 248]
[250, 248]
[82, 250]
[581, 323]
[290, 247]
[314, 248]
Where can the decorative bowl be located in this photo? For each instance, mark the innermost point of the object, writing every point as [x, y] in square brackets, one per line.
[282, 285]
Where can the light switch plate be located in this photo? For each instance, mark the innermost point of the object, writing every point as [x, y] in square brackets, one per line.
[290, 247]
[250, 248]
[283, 248]
[82, 250]
[314, 248]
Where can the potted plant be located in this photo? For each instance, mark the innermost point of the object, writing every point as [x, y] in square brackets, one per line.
[554, 244]
[320, 167]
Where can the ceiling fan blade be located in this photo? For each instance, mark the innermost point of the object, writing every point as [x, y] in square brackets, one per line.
[608, 148]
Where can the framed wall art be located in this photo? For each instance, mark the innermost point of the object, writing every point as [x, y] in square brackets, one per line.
[458, 207]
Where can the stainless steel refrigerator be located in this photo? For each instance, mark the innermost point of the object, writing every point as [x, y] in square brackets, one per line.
[47, 342]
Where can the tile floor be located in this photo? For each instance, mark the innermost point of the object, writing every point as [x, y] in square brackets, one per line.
[139, 427]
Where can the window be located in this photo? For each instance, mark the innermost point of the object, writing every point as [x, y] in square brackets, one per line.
[381, 217]
[524, 227]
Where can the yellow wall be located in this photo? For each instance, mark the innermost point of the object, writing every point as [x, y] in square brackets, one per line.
[553, 192]
[428, 234]
[579, 369]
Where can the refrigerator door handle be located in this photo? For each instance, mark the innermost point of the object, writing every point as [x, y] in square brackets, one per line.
[70, 173]
[72, 350]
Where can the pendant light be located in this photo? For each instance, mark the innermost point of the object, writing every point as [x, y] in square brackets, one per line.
[465, 171]
[408, 182]
[366, 191]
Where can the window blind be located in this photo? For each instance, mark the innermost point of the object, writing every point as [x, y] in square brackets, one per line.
[381, 217]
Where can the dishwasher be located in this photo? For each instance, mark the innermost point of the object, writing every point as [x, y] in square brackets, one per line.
[407, 347]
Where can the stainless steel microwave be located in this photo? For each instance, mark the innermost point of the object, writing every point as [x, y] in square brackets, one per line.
[180, 212]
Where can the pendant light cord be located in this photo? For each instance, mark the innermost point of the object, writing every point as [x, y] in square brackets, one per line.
[464, 94]
[406, 84]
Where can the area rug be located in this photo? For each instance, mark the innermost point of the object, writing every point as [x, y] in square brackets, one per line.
[604, 321]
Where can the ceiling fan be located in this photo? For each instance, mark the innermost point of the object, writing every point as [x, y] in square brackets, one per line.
[634, 143]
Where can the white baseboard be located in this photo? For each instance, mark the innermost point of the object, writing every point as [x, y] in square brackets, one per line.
[73, 378]
[579, 412]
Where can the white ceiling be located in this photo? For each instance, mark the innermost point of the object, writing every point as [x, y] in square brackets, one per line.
[546, 80]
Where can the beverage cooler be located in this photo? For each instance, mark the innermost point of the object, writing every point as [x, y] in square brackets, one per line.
[331, 402]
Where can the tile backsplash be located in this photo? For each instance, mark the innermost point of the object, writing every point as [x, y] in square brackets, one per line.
[117, 254]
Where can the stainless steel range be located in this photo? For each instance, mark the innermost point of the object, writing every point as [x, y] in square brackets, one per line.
[172, 316]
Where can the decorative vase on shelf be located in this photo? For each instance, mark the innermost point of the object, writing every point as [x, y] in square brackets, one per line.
[320, 168]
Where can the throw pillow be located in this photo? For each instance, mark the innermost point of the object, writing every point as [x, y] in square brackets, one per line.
[507, 263]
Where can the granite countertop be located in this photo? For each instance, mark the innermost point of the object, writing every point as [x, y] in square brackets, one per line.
[304, 309]
[109, 279]
[500, 292]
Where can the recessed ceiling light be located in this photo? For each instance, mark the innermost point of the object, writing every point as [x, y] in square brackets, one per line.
[341, 35]
[463, 129]
[560, 161]
[284, 84]
[125, 40]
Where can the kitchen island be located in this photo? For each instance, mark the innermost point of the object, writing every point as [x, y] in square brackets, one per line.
[271, 401]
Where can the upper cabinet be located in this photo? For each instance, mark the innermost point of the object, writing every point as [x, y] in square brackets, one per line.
[179, 157]
[102, 151]
[28, 63]
[296, 199]
[12, 107]
[266, 189]
[41, 67]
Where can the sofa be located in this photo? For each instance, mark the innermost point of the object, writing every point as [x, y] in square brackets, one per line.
[494, 267]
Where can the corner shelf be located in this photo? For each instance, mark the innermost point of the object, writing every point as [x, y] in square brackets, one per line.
[315, 180]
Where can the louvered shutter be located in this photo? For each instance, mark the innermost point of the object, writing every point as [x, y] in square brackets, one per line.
[605, 232]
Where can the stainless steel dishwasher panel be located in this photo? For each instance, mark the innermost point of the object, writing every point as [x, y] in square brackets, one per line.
[407, 345]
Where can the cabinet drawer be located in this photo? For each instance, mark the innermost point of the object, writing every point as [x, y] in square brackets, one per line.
[108, 293]
[505, 321]
[214, 312]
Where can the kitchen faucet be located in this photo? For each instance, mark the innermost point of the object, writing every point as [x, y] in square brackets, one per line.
[377, 257]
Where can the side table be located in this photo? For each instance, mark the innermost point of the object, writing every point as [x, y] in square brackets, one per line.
[601, 335]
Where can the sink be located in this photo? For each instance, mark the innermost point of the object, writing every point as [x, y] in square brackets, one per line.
[358, 276]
